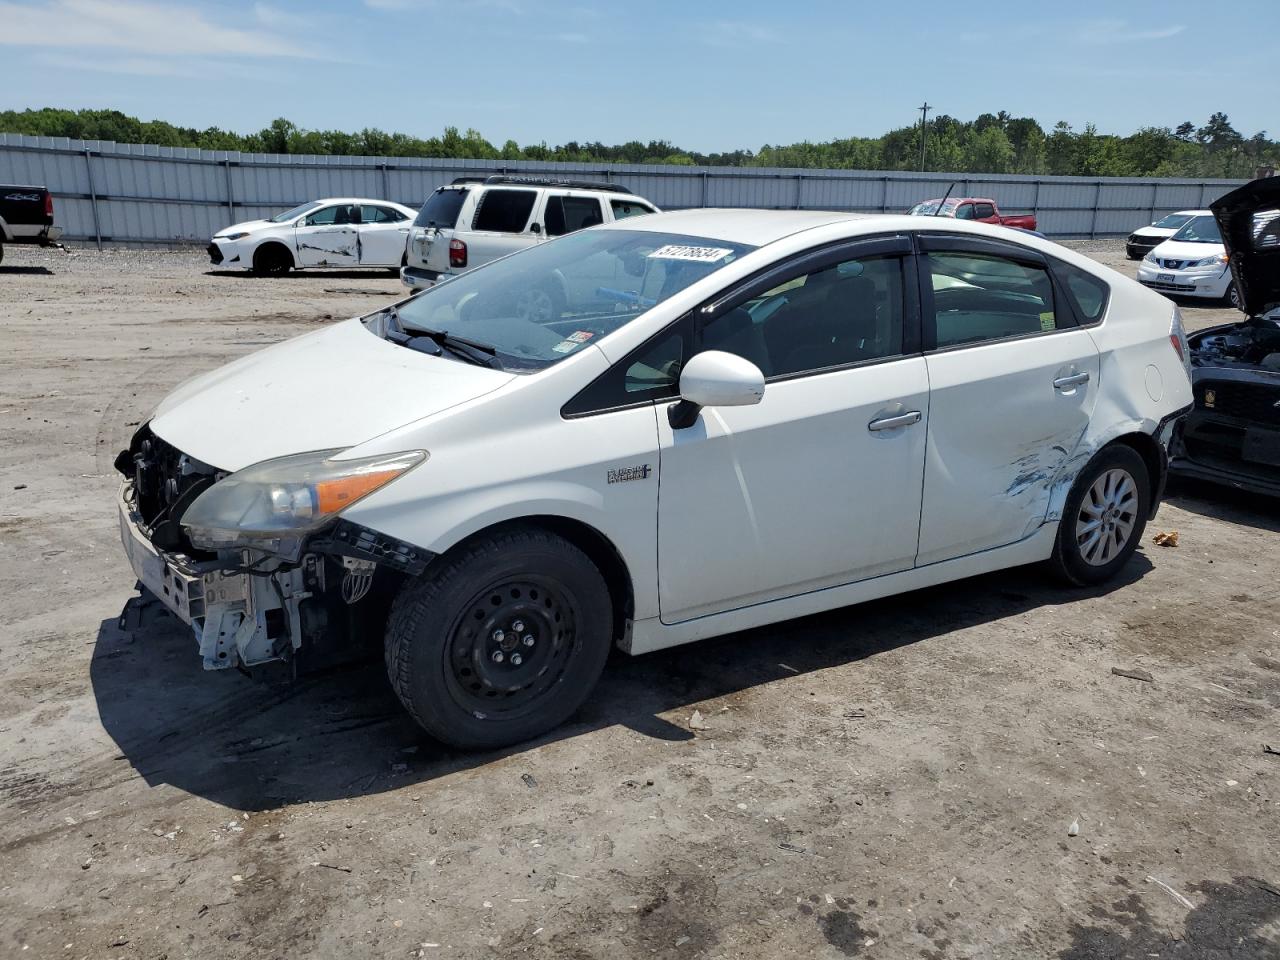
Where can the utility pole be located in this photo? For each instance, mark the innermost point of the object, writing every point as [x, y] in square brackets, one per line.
[924, 109]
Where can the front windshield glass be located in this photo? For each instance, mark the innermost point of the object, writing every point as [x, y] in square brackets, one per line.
[297, 211]
[1199, 230]
[538, 306]
[1172, 221]
[929, 208]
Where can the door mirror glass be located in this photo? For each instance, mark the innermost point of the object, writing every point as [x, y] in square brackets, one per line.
[714, 378]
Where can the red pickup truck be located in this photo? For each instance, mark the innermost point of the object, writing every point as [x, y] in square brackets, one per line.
[982, 209]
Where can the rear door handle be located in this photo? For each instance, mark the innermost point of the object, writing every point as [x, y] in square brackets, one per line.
[892, 423]
[1066, 383]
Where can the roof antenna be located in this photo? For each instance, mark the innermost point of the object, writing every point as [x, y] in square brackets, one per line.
[943, 202]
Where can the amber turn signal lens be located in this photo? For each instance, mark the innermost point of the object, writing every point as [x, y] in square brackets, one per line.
[335, 495]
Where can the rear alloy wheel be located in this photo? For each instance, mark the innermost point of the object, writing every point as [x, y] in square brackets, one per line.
[1233, 296]
[502, 642]
[1105, 515]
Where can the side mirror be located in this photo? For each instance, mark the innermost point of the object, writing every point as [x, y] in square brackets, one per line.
[714, 378]
[535, 228]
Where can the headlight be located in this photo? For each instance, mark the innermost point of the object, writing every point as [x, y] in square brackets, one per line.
[1215, 260]
[233, 236]
[1150, 257]
[271, 505]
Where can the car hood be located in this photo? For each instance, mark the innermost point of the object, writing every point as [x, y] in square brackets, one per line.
[333, 388]
[249, 226]
[1249, 218]
[1182, 250]
[1155, 232]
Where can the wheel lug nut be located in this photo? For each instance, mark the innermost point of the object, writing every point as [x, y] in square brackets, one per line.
[497, 656]
[518, 626]
[528, 640]
[498, 636]
[516, 660]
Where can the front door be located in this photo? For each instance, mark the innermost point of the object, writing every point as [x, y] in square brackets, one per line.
[328, 237]
[1013, 382]
[819, 484]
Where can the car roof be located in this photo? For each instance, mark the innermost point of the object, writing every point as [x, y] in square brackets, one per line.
[752, 227]
[384, 203]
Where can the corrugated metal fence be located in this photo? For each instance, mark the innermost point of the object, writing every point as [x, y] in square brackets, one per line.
[120, 192]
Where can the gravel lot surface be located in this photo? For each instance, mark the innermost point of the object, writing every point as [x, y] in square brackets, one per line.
[952, 773]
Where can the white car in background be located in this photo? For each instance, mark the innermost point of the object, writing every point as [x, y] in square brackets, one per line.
[774, 413]
[336, 232]
[1191, 263]
[1145, 239]
[473, 220]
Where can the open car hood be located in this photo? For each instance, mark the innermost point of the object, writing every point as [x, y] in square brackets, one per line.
[337, 387]
[1249, 218]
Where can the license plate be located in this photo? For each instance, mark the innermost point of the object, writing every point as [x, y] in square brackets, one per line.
[1165, 277]
[1262, 446]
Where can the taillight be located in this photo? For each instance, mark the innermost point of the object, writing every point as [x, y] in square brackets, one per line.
[48, 204]
[457, 253]
[1178, 338]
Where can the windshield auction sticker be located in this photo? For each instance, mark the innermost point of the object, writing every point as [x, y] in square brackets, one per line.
[676, 251]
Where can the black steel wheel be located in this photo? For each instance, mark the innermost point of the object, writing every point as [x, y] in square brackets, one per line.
[500, 641]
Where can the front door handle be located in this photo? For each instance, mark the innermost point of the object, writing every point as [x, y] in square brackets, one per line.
[892, 423]
[1074, 380]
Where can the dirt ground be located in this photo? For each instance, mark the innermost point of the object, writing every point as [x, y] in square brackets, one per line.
[898, 779]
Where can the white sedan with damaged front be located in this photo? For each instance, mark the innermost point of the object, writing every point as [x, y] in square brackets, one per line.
[735, 418]
[337, 232]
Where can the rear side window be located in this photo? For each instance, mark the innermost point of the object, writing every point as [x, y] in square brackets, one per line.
[979, 297]
[441, 209]
[1088, 293]
[628, 208]
[504, 211]
[372, 214]
[567, 214]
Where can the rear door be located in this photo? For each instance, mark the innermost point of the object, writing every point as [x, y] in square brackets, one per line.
[499, 226]
[1013, 381]
[382, 235]
[328, 237]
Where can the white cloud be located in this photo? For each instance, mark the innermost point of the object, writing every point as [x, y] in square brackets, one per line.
[737, 33]
[573, 38]
[1119, 31]
[154, 29]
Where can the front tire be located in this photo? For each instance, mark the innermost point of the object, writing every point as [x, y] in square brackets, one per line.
[500, 642]
[1105, 515]
[272, 258]
[1232, 297]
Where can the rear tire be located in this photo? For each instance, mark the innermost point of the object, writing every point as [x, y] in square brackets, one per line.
[272, 258]
[1105, 515]
[501, 641]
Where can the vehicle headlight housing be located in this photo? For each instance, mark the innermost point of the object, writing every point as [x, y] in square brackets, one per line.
[273, 505]
[1218, 259]
[1150, 257]
[233, 236]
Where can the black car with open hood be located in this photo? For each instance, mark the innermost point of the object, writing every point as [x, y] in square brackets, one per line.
[1233, 434]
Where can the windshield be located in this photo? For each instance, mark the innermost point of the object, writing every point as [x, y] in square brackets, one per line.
[297, 211]
[441, 209]
[929, 208]
[538, 306]
[1172, 221]
[1199, 230]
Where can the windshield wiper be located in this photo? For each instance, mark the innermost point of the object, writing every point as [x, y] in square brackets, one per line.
[473, 351]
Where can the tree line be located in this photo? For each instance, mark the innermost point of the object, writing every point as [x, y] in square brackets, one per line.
[992, 143]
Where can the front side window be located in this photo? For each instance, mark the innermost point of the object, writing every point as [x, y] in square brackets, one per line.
[979, 297]
[628, 208]
[964, 211]
[549, 301]
[504, 211]
[567, 214]
[329, 216]
[846, 313]
[983, 210]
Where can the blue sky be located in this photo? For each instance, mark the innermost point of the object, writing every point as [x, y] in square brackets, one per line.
[707, 76]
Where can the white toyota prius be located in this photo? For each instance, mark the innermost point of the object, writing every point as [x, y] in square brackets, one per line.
[736, 418]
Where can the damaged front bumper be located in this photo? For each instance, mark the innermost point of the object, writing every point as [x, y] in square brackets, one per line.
[239, 618]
